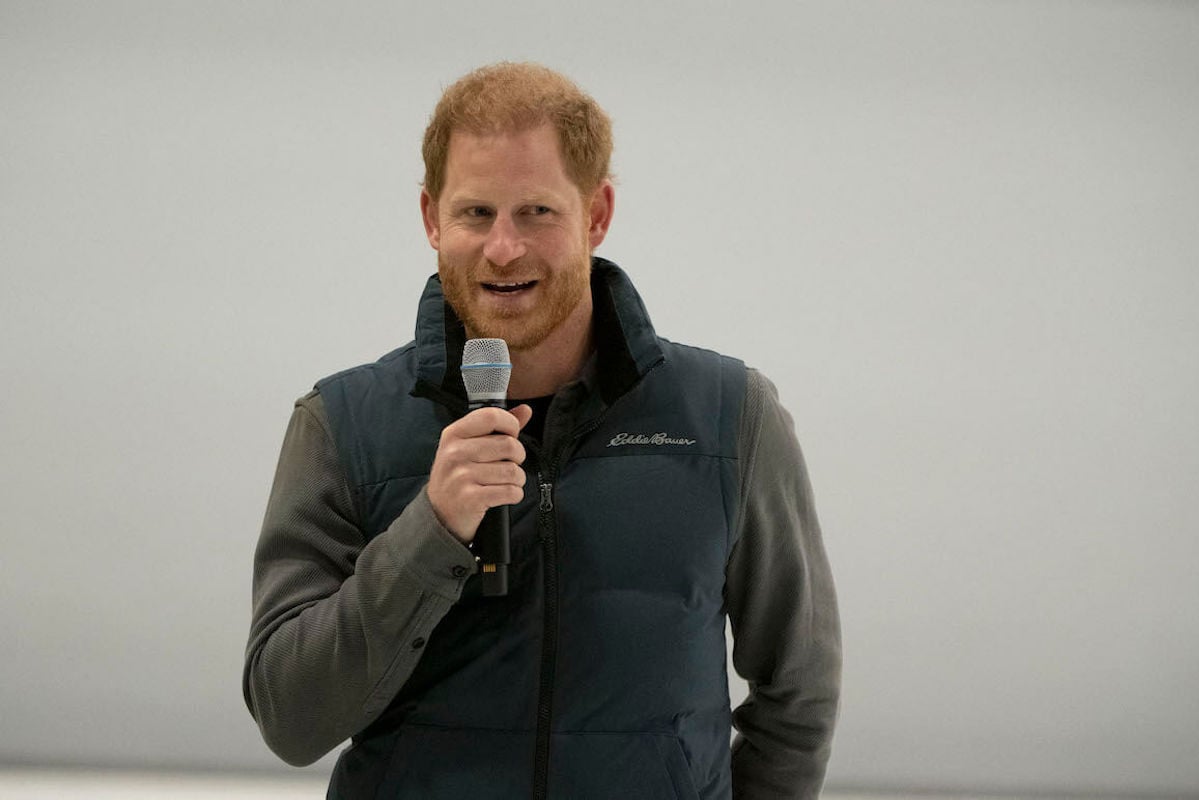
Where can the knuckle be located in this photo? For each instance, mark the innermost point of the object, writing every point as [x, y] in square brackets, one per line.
[473, 498]
[447, 448]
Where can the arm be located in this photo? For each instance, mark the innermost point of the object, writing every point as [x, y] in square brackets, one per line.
[783, 613]
[335, 619]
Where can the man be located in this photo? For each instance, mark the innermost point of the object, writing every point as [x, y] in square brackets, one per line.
[654, 489]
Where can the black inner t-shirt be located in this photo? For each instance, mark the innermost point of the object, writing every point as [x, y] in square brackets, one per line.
[541, 407]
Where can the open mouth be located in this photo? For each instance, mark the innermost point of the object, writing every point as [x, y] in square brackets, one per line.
[509, 287]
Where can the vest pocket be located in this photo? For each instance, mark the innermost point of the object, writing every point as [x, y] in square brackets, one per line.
[448, 764]
[631, 766]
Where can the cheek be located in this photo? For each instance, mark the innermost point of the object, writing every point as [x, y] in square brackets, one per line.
[563, 245]
[462, 237]
[452, 242]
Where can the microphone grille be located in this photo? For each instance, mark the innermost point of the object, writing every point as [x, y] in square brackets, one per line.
[486, 369]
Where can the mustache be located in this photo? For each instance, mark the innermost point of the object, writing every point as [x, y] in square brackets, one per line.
[487, 271]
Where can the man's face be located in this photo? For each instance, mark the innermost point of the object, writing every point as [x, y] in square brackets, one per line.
[513, 235]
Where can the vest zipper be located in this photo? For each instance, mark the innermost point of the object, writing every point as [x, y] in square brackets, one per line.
[549, 647]
[548, 530]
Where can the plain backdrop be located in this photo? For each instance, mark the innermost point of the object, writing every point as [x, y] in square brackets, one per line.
[962, 237]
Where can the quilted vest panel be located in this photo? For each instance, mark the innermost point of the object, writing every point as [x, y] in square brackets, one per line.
[644, 496]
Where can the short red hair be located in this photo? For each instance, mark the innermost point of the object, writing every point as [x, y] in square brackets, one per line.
[511, 97]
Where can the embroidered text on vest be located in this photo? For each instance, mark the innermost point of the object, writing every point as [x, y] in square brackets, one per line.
[640, 438]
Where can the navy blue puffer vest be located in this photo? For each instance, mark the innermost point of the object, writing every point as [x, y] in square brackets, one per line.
[602, 674]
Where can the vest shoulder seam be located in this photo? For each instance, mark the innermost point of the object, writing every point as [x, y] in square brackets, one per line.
[369, 367]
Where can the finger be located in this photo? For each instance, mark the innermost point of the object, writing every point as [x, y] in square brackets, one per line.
[480, 449]
[483, 421]
[491, 496]
[495, 447]
[499, 473]
[523, 414]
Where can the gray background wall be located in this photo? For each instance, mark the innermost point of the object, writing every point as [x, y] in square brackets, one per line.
[961, 237]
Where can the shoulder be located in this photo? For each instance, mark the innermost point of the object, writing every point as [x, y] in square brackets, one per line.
[699, 355]
[761, 395]
[390, 366]
[704, 365]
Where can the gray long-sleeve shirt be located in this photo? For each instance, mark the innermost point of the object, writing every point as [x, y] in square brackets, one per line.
[335, 616]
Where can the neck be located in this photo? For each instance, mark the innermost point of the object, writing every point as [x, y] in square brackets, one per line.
[557, 360]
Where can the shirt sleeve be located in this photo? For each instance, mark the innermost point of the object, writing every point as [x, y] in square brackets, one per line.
[783, 613]
[338, 623]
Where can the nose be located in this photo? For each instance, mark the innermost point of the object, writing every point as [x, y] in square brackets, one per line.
[504, 243]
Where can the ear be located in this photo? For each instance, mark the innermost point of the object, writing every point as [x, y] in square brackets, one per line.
[602, 204]
[428, 213]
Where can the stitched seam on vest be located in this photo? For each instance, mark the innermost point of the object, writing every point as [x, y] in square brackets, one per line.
[654, 454]
[724, 493]
[459, 728]
[751, 414]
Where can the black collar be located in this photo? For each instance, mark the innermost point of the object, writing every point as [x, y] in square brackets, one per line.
[625, 342]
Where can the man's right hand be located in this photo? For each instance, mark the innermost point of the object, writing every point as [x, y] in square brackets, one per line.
[477, 467]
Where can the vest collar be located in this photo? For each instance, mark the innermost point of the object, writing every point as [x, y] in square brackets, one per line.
[625, 342]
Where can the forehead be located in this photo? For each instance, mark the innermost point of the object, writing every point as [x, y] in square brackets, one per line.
[527, 159]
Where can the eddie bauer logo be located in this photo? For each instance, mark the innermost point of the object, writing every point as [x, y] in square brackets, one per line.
[640, 438]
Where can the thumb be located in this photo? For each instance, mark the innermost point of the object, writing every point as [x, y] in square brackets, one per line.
[523, 414]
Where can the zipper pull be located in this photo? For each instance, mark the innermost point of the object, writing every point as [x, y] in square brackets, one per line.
[547, 499]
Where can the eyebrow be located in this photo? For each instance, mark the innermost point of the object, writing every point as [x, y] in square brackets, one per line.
[543, 199]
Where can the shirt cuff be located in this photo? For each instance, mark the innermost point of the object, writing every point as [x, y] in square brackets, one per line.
[419, 541]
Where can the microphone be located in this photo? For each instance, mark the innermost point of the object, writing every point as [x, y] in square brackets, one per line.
[486, 369]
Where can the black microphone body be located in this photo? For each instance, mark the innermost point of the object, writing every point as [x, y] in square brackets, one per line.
[492, 541]
[486, 369]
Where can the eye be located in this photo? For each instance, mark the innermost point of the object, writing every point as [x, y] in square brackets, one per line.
[477, 212]
[538, 211]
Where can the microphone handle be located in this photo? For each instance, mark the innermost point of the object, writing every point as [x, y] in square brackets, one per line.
[492, 541]
[492, 549]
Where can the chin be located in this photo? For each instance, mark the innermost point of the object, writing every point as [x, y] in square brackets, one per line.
[519, 334]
